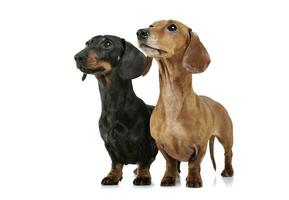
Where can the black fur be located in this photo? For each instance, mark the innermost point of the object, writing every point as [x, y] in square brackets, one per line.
[124, 120]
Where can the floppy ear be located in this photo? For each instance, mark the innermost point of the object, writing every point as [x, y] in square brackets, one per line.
[196, 58]
[148, 65]
[133, 62]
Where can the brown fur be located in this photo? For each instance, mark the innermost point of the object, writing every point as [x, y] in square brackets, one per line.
[182, 122]
[114, 176]
[143, 176]
[94, 63]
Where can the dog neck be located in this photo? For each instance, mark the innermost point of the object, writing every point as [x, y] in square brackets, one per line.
[114, 92]
[176, 92]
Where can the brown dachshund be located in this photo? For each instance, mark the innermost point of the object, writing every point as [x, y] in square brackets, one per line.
[182, 122]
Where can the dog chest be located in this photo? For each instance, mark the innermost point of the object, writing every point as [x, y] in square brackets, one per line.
[173, 140]
[123, 147]
[177, 148]
[122, 142]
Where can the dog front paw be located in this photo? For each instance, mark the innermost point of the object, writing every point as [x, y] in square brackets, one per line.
[142, 181]
[110, 181]
[228, 172]
[168, 181]
[195, 182]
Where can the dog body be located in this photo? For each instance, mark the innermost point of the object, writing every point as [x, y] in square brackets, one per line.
[182, 122]
[178, 137]
[124, 124]
[124, 120]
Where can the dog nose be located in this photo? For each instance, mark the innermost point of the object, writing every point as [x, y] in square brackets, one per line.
[142, 34]
[78, 58]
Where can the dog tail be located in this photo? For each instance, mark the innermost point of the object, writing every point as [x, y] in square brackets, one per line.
[211, 145]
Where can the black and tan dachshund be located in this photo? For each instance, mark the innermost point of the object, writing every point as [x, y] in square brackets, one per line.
[124, 120]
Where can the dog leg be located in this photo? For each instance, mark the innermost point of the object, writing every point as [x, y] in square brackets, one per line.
[194, 178]
[228, 171]
[171, 174]
[227, 143]
[143, 176]
[114, 176]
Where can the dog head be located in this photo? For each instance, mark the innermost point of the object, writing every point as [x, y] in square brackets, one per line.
[104, 55]
[167, 38]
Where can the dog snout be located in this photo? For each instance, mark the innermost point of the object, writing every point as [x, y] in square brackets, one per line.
[78, 58]
[81, 58]
[142, 34]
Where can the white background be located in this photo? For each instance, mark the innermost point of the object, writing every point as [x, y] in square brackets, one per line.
[50, 146]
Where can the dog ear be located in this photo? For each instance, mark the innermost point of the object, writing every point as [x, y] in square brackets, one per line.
[148, 65]
[196, 58]
[133, 62]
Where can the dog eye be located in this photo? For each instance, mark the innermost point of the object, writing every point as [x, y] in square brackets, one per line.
[151, 26]
[107, 43]
[172, 27]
